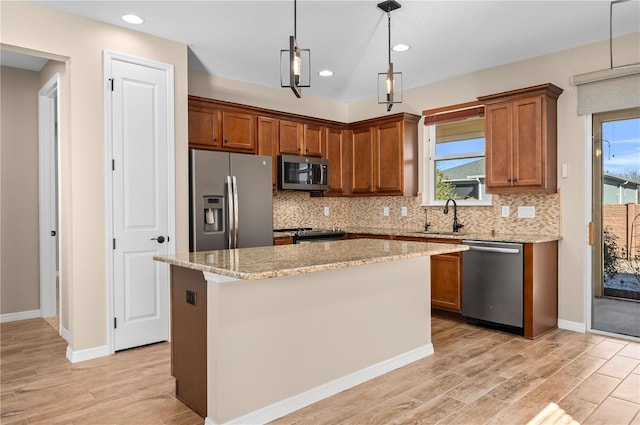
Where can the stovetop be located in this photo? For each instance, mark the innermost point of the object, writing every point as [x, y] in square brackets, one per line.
[309, 231]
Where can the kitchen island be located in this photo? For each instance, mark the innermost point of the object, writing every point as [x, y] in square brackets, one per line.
[265, 331]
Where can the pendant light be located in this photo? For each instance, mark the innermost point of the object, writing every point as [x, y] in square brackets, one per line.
[389, 83]
[295, 63]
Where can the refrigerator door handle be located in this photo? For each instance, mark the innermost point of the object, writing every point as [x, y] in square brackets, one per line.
[230, 216]
[235, 212]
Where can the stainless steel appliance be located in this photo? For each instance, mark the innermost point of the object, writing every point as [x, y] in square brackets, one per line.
[231, 204]
[493, 283]
[302, 173]
[308, 234]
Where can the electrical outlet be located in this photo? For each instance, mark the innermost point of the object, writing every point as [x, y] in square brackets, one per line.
[326, 211]
[385, 211]
[403, 211]
[527, 211]
[505, 210]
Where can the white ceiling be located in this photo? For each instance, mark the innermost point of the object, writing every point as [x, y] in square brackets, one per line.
[242, 39]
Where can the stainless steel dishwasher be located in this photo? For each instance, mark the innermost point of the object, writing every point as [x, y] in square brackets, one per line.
[493, 284]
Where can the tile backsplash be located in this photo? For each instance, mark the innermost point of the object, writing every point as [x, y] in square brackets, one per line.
[299, 209]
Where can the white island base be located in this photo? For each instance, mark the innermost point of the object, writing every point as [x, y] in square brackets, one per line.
[276, 345]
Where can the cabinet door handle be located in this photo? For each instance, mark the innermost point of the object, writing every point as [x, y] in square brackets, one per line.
[509, 180]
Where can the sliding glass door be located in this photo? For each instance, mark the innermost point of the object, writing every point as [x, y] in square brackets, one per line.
[616, 222]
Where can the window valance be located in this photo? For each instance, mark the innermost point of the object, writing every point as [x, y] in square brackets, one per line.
[608, 89]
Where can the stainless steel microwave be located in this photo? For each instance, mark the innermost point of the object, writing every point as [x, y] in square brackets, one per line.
[303, 173]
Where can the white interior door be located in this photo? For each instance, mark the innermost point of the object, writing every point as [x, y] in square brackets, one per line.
[140, 203]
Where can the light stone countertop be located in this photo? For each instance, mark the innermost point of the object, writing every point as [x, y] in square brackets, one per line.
[283, 260]
[463, 234]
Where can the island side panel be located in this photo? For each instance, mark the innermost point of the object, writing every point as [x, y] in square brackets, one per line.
[189, 337]
[275, 338]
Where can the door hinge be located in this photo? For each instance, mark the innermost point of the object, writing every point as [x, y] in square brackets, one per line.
[111, 81]
[114, 243]
[113, 165]
[115, 323]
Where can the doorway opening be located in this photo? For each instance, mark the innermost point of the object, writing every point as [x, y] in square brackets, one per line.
[48, 201]
[616, 222]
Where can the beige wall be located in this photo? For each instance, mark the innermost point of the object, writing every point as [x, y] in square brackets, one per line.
[221, 88]
[81, 43]
[19, 259]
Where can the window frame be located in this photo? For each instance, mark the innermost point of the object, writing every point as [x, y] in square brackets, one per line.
[437, 116]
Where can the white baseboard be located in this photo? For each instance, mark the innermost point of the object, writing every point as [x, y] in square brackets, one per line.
[291, 404]
[21, 315]
[572, 326]
[64, 333]
[87, 354]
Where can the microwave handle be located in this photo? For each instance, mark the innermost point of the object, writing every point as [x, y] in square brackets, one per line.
[321, 174]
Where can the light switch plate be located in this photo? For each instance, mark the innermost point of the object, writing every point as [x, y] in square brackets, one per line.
[505, 210]
[385, 211]
[326, 211]
[403, 211]
[527, 211]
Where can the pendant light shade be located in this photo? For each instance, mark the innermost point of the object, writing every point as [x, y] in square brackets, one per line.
[295, 63]
[390, 82]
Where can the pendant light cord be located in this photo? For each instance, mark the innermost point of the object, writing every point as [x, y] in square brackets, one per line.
[389, 18]
[295, 15]
[611, 28]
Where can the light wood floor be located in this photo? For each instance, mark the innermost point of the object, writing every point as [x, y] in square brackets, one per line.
[477, 376]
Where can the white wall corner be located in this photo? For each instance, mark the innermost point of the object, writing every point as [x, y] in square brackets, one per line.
[64, 333]
[572, 326]
[87, 354]
[21, 315]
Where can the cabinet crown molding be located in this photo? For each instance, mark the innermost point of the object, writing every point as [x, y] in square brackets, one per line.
[548, 89]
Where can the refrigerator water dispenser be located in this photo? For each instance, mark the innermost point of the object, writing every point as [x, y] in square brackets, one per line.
[212, 213]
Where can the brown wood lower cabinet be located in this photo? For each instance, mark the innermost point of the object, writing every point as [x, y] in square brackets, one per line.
[540, 288]
[446, 281]
[189, 337]
[283, 240]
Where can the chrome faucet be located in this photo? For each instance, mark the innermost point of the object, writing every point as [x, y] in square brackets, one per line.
[456, 225]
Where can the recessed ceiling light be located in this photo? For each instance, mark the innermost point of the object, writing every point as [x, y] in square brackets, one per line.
[132, 19]
[325, 73]
[400, 48]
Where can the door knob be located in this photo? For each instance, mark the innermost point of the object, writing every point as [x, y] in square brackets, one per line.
[160, 239]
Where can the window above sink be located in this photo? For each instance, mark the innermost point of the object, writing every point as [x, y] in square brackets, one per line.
[454, 165]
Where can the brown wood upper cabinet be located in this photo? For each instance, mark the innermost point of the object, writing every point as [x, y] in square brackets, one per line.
[301, 139]
[238, 131]
[313, 140]
[267, 134]
[212, 127]
[334, 152]
[521, 140]
[291, 137]
[384, 156]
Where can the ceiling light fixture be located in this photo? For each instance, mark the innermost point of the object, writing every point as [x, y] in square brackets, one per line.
[132, 19]
[295, 63]
[325, 73]
[400, 48]
[389, 83]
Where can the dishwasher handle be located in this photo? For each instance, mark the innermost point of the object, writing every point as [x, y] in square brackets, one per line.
[492, 249]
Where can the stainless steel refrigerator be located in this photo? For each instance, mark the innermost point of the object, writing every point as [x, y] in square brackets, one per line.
[231, 204]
